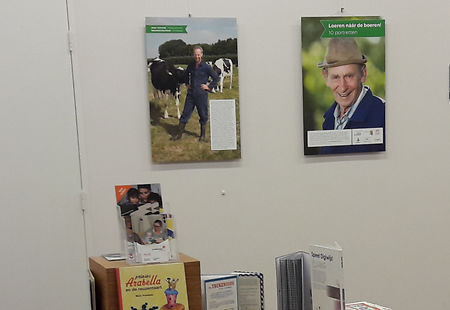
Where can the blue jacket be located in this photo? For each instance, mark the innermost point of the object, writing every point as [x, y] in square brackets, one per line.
[369, 114]
[200, 75]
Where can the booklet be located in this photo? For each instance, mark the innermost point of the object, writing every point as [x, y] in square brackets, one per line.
[156, 286]
[220, 292]
[327, 277]
[294, 281]
[363, 305]
[149, 232]
[250, 290]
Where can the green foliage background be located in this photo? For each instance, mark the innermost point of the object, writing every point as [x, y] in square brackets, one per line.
[317, 97]
[177, 51]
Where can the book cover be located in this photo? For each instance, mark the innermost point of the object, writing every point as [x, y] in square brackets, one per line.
[220, 292]
[156, 286]
[327, 277]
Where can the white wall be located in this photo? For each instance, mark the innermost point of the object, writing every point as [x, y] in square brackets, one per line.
[42, 241]
[389, 211]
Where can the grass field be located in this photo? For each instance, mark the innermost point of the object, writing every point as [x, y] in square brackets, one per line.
[188, 148]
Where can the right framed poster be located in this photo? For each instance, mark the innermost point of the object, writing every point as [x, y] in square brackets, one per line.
[343, 71]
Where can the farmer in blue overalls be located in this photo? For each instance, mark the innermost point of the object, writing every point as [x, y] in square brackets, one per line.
[197, 76]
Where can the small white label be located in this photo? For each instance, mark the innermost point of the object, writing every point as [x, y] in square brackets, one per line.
[223, 124]
[329, 137]
[358, 136]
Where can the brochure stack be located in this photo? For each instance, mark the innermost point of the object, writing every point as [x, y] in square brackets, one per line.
[148, 231]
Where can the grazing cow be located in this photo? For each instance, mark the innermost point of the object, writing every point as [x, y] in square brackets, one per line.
[167, 80]
[223, 67]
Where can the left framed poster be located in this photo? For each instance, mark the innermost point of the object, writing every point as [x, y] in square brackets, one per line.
[193, 89]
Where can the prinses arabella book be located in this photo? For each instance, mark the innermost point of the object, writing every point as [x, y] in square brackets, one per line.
[155, 286]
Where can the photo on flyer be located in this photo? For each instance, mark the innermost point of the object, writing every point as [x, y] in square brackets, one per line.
[193, 88]
[343, 71]
[139, 198]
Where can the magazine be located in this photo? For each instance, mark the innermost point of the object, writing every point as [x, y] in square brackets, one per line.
[149, 233]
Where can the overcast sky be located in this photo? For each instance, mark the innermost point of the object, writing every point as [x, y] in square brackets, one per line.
[199, 30]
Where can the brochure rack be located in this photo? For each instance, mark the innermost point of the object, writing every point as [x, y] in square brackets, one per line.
[104, 272]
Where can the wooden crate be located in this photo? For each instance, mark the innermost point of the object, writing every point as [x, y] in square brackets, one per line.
[106, 293]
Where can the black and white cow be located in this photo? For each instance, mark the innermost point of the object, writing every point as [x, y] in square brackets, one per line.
[223, 67]
[166, 80]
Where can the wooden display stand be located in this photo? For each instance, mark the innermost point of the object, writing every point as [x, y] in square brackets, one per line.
[104, 272]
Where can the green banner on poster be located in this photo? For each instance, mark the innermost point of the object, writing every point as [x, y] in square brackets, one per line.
[353, 28]
[166, 29]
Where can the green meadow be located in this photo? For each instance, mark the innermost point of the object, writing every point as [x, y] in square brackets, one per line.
[188, 148]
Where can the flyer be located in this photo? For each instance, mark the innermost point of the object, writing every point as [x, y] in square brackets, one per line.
[155, 286]
[193, 75]
[220, 292]
[343, 65]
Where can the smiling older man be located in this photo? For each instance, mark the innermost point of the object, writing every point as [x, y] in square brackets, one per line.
[344, 69]
[198, 74]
